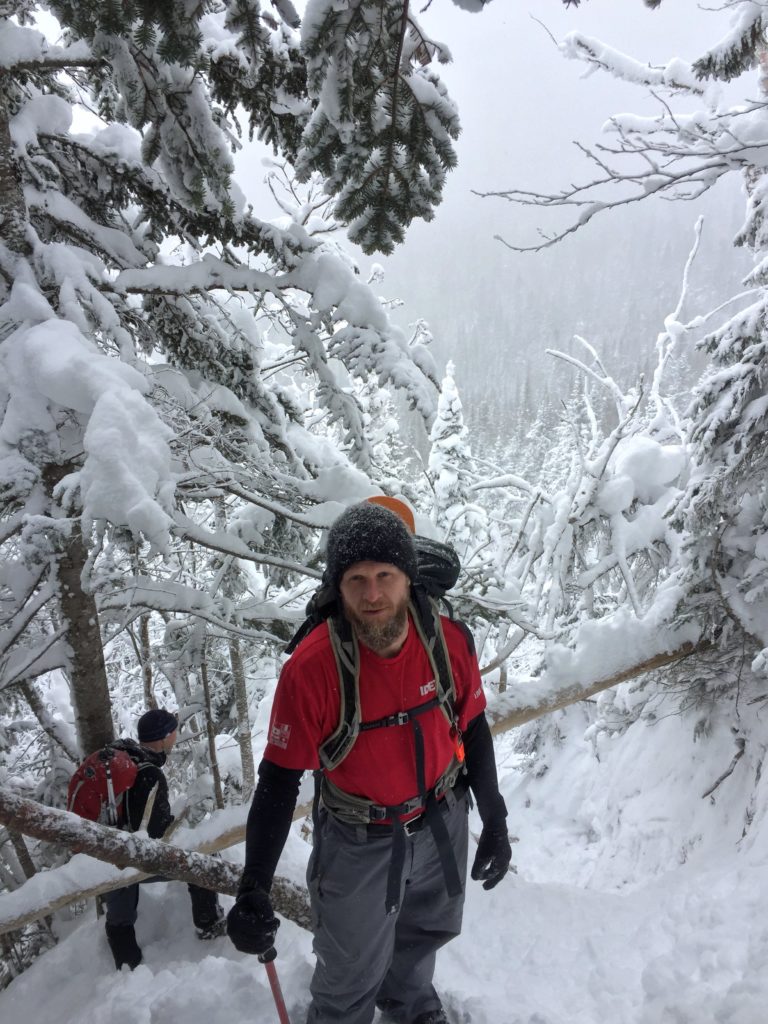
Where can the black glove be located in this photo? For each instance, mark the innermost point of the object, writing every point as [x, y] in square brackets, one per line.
[251, 923]
[493, 856]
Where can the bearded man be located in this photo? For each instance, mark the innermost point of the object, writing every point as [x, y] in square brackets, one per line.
[395, 751]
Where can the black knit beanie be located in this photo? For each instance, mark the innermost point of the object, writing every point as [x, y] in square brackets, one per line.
[156, 725]
[369, 533]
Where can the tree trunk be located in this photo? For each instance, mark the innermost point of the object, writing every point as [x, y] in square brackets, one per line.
[125, 849]
[22, 853]
[243, 725]
[87, 670]
[146, 663]
[210, 730]
[13, 208]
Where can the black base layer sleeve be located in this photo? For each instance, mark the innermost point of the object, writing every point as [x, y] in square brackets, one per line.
[481, 773]
[269, 821]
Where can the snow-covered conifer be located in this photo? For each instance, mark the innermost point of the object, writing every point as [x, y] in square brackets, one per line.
[382, 130]
[450, 471]
[137, 290]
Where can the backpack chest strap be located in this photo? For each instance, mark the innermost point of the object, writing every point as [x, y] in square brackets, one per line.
[426, 618]
[400, 717]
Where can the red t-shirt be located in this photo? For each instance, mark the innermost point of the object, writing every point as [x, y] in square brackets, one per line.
[381, 765]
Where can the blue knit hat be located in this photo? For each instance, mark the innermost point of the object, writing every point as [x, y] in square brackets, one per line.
[156, 725]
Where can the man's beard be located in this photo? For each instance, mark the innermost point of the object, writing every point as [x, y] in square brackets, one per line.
[376, 634]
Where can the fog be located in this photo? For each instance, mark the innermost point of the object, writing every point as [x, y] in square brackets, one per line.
[522, 107]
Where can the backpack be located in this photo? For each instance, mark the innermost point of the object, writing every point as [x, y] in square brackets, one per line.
[97, 788]
[438, 570]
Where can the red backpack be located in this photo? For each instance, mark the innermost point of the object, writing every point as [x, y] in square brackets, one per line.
[97, 788]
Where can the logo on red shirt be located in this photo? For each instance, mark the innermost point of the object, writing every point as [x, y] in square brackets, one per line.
[279, 735]
[430, 687]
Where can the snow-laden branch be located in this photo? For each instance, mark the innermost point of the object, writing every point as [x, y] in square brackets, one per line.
[27, 49]
[676, 76]
[688, 181]
[174, 598]
[603, 653]
[26, 663]
[227, 544]
[508, 480]
[512, 709]
[102, 851]
[674, 155]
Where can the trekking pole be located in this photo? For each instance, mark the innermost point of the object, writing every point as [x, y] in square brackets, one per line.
[277, 993]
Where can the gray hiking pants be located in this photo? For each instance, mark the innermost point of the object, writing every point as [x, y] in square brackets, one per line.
[365, 956]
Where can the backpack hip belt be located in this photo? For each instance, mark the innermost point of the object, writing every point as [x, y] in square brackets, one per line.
[356, 810]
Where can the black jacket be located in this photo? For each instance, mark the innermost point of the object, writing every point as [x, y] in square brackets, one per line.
[149, 764]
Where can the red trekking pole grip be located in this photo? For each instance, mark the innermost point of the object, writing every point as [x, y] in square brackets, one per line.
[274, 983]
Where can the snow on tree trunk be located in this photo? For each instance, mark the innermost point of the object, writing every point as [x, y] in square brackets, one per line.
[512, 709]
[243, 725]
[13, 210]
[87, 670]
[124, 849]
[51, 890]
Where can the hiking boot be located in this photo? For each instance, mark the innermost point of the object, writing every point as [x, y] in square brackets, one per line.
[213, 930]
[391, 1011]
[432, 1017]
[207, 915]
[122, 943]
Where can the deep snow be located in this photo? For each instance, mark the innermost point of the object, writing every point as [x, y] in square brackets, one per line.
[637, 901]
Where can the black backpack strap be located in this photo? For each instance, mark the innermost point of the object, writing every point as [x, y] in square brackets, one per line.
[426, 616]
[430, 629]
[322, 605]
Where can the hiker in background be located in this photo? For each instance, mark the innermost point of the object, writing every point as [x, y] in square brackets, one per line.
[398, 755]
[157, 736]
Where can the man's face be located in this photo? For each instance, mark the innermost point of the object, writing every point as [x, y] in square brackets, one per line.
[375, 598]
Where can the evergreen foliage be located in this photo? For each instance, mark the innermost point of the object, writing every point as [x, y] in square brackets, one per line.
[157, 344]
[738, 53]
[383, 128]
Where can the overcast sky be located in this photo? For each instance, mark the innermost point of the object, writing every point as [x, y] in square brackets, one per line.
[522, 103]
[522, 106]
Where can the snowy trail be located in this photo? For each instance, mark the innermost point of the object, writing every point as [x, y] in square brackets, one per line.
[688, 948]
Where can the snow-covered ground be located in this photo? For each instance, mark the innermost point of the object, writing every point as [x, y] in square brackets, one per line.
[637, 901]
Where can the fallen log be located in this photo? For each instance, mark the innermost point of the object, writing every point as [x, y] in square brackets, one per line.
[506, 713]
[125, 849]
[60, 888]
